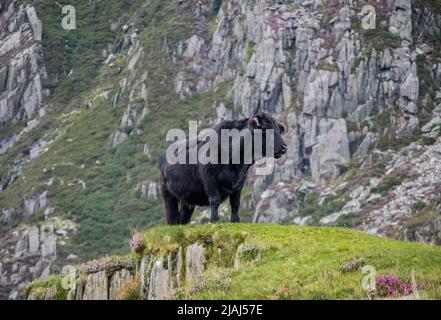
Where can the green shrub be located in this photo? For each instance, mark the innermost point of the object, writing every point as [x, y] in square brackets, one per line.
[388, 184]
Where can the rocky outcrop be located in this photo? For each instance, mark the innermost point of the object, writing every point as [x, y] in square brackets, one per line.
[161, 276]
[34, 204]
[117, 138]
[21, 57]
[277, 204]
[310, 58]
[411, 183]
[331, 151]
[28, 252]
[148, 189]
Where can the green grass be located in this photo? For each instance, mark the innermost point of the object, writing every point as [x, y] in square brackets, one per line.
[290, 262]
[250, 50]
[303, 262]
[40, 287]
[388, 184]
[332, 204]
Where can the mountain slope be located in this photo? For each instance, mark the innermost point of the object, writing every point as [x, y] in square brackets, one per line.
[78, 167]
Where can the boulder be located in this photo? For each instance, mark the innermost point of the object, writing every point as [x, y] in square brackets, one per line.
[119, 279]
[160, 282]
[331, 151]
[96, 287]
[36, 24]
[195, 259]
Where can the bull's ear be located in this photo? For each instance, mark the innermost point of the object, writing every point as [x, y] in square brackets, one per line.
[282, 128]
[254, 123]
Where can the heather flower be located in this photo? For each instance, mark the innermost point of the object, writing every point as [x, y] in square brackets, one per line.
[107, 263]
[354, 265]
[393, 286]
[136, 242]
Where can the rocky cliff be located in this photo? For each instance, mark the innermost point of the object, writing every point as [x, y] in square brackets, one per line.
[84, 114]
[22, 66]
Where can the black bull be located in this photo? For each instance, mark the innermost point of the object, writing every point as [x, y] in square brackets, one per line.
[185, 186]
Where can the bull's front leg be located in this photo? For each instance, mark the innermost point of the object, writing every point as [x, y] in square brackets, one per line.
[214, 204]
[214, 198]
[235, 205]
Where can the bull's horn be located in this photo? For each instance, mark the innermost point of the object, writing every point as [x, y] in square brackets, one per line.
[254, 122]
[282, 127]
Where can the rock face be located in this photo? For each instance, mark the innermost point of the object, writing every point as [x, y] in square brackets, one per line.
[331, 150]
[408, 208]
[308, 63]
[32, 205]
[28, 252]
[149, 189]
[117, 282]
[195, 259]
[276, 204]
[161, 276]
[22, 68]
[295, 55]
[96, 287]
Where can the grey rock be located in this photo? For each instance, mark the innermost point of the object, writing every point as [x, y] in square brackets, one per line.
[368, 142]
[7, 216]
[409, 91]
[36, 24]
[276, 204]
[34, 240]
[431, 125]
[96, 287]
[22, 245]
[331, 150]
[51, 293]
[194, 46]
[33, 296]
[118, 138]
[48, 242]
[160, 282]
[145, 271]
[3, 78]
[37, 203]
[195, 260]
[37, 149]
[12, 42]
[72, 257]
[400, 21]
[117, 282]
[149, 189]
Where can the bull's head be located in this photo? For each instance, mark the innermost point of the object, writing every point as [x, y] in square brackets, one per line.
[265, 122]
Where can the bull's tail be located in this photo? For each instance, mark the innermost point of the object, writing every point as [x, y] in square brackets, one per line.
[171, 203]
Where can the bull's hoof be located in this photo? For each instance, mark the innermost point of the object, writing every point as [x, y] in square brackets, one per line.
[214, 220]
[235, 220]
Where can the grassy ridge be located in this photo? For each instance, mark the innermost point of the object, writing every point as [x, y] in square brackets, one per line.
[282, 262]
[300, 262]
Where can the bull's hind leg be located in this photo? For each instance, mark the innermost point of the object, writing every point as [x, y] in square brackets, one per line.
[186, 213]
[235, 204]
[171, 205]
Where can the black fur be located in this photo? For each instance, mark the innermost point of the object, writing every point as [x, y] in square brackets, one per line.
[185, 186]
